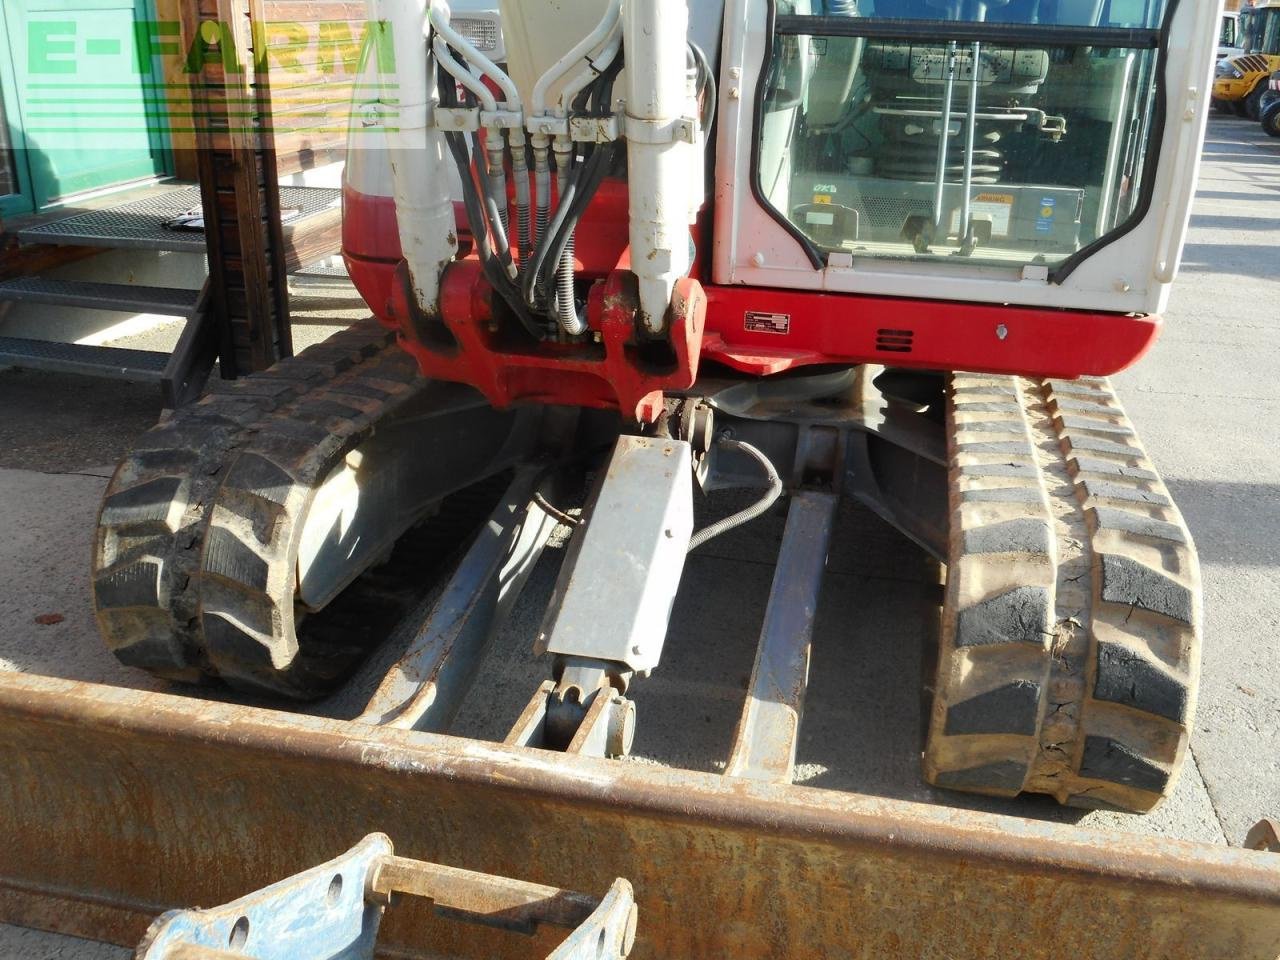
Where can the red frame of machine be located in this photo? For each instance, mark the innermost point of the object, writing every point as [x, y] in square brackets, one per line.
[754, 330]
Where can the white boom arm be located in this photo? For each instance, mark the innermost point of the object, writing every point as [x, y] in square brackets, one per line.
[419, 171]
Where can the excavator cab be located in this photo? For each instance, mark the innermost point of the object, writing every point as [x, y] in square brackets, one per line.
[985, 151]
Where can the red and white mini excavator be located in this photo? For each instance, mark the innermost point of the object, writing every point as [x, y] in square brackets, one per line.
[879, 249]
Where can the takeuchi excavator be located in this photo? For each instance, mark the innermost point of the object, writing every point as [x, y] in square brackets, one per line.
[620, 251]
[621, 254]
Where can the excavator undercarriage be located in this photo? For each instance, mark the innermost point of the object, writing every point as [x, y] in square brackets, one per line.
[1069, 642]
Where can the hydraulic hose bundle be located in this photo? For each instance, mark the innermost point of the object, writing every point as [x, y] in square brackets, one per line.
[539, 288]
[535, 277]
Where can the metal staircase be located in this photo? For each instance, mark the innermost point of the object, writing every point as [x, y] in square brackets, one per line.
[139, 224]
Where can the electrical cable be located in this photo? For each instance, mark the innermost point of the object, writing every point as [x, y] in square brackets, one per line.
[708, 85]
[770, 497]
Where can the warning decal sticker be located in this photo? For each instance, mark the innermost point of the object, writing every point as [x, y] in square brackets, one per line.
[996, 207]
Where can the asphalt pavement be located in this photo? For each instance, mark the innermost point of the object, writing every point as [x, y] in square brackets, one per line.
[1206, 402]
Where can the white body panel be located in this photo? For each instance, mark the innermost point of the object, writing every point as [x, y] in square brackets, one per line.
[416, 152]
[1130, 274]
[537, 33]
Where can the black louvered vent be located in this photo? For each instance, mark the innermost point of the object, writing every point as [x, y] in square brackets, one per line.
[894, 341]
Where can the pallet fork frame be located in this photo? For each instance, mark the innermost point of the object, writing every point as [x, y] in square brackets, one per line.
[334, 911]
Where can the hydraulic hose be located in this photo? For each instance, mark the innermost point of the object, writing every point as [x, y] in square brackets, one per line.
[536, 274]
[496, 188]
[520, 171]
[480, 223]
[444, 41]
[582, 50]
[440, 15]
[748, 514]
[566, 308]
[476, 218]
[707, 85]
[542, 186]
[584, 180]
[540, 273]
[595, 68]
[567, 315]
[493, 214]
[450, 65]
[494, 148]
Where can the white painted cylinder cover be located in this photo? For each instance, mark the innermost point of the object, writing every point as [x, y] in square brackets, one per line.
[419, 165]
[661, 171]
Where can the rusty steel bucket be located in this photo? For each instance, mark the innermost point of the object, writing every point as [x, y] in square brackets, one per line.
[119, 804]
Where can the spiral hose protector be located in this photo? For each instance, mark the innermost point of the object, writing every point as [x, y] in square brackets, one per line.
[566, 308]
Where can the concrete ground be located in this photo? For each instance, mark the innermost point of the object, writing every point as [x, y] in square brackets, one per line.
[1207, 403]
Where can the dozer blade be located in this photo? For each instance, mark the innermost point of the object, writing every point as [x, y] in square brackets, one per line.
[116, 805]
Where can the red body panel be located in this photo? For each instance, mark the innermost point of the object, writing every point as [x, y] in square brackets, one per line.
[852, 328]
[611, 371]
[757, 331]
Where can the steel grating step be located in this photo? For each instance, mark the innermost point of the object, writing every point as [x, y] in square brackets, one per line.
[321, 277]
[121, 297]
[140, 224]
[114, 362]
[323, 270]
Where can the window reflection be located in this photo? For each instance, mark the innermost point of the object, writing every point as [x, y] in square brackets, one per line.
[1060, 13]
[994, 152]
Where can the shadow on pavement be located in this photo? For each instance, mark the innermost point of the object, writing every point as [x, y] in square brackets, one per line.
[1233, 195]
[1250, 259]
[1210, 221]
[1214, 509]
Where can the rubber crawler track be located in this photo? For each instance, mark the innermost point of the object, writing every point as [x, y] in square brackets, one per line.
[1070, 646]
[155, 514]
[256, 637]
[191, 515]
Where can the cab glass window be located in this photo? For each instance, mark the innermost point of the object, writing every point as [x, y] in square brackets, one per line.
[1060, 13]
[911, 129]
